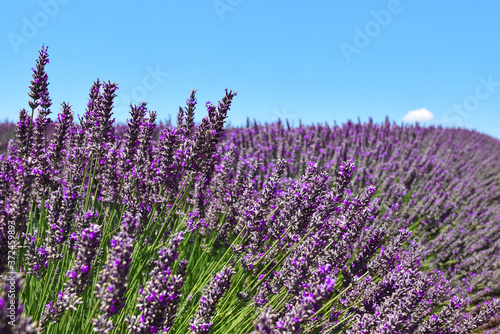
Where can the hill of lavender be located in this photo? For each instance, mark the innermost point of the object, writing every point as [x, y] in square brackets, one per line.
[153, 228]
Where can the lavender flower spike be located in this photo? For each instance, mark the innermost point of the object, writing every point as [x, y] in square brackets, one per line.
[79, 276]
[38, 89]
[22, 132]
[161, 295]
[201, 322]
[112, 285]
[265, 324]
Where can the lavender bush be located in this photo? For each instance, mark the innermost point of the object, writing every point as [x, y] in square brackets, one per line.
[147, 228]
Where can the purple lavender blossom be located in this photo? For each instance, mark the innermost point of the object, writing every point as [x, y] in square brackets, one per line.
[160, 297]
[265, 323]
[61, 209]
[113, 281]
[36, 258]
[97, 121]
[112, 285]
[202, 321]
[317, 290]
[38, 89]
[78, 278]
[59, 143]
[22, 133]
[19, 196]
[188, 119]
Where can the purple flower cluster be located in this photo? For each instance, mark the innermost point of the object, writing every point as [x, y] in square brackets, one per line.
[433, 192]
[112, 285]
[161, 295]
[38, 89]
[78, 277]
[202, 321]
[61, 208]
[97, 122]
[37, 258]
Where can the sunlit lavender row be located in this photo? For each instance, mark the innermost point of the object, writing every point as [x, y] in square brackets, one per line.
[195, 228]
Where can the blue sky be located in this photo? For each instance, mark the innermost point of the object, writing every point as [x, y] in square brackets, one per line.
[316, 61]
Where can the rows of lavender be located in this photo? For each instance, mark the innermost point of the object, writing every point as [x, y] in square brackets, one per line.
[362, 228]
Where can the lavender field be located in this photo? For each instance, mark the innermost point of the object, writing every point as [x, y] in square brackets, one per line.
[198, 228]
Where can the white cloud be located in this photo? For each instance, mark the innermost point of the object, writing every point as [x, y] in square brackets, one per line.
[419, 115]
